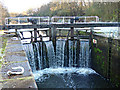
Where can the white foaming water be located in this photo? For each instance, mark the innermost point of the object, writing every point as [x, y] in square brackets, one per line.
[51, 54]
[60, 52]
[55, 71]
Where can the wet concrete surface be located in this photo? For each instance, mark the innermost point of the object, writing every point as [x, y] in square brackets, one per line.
[14, 57]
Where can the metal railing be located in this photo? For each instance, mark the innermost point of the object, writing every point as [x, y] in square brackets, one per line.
[53, 20]
[24, 20]
[76, 19]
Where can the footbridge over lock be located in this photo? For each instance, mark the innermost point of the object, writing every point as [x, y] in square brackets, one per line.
[54, 26]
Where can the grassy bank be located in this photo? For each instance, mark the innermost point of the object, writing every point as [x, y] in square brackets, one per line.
[3, 42]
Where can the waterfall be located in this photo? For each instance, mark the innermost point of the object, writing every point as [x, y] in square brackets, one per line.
[78, 54]
[69, 53]
[72, 53]
[84, 54]
[30, 55]
[37, 55]
[51, 54]
[58, 59]
[60, 45]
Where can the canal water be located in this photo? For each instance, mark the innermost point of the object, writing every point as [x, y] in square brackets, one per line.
[68, 67]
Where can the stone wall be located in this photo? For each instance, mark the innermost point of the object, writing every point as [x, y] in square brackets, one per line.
[106, 58]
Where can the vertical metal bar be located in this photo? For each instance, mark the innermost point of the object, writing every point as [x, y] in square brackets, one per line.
[74, 20]
[31, 36]
[35, 34]
[67, 53]
[66, 58]
[54, 37]
[77, 53]
[91, 42]
[40, 37]
[16, 32]
[50, 34]
[38, 33]
[77, 50]
[60, 32]
[46, 33]
[72, 33]
[91, 37]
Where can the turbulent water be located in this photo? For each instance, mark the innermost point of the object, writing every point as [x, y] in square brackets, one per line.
[58, 69]
[77, 54]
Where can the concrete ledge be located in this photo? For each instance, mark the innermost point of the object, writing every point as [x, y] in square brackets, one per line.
[14, 57]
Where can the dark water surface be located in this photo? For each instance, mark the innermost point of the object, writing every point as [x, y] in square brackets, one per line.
[73, 81]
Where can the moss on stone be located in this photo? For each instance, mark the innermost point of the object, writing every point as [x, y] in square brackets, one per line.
[97, 50]
[14, 62]
[4, 43]
[0, 64]
[23, 78]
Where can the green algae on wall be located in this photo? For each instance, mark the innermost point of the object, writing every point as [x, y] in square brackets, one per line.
[100, 59]
[100, 56]
[115, 63]
[102, 63]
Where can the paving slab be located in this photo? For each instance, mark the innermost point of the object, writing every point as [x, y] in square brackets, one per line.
[20, 83]
[14, 57]
[15, 49]
[7, 67]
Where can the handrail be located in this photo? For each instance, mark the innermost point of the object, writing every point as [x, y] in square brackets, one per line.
[47, 20]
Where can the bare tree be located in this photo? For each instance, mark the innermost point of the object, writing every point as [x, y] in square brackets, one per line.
[3, 13]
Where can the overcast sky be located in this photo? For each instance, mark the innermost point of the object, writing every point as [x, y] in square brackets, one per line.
[22, 5]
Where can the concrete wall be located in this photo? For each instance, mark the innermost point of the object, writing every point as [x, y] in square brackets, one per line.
[105, 61]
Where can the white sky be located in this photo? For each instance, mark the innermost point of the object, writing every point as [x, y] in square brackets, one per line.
[22, 5]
